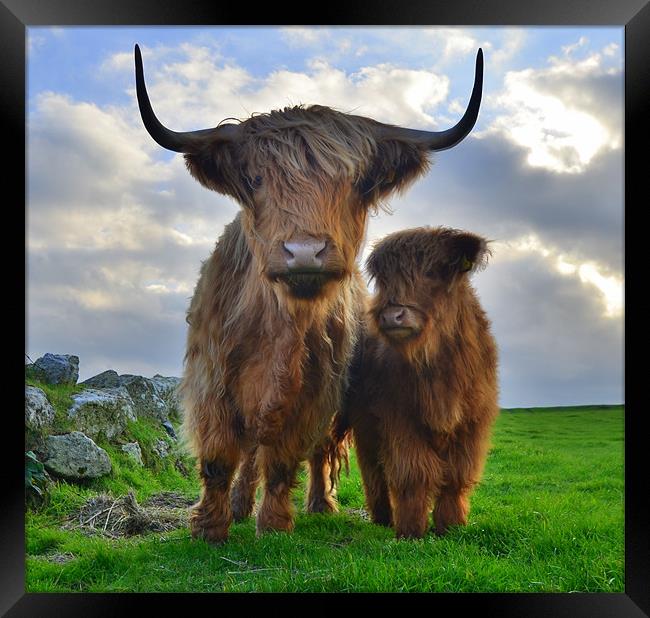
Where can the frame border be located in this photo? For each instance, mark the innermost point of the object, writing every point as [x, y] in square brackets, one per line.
[633, 15]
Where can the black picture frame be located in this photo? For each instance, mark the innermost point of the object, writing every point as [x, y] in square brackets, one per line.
[633, 15]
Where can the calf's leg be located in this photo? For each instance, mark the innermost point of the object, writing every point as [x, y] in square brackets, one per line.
[411, 511]
[415, 474]
[372, 473]
[465, 458]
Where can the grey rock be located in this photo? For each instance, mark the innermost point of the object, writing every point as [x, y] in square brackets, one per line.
[102, 411]
[169, 428]
[152, 397]
[106, 379]
[145, 397]
[39, 412]
[162, 448]
[167, 388]
[75, 456]
[132, 449]
[56, 368]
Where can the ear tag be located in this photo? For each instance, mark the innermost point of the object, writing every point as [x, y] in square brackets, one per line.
[466, 265]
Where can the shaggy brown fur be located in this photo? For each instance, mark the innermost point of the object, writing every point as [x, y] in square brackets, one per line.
[423, 391]
[266, 367]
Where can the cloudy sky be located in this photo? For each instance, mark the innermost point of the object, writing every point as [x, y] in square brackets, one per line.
[117, 229]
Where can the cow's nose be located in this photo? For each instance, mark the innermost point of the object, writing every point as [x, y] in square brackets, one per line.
[391, 317]
[305, 254]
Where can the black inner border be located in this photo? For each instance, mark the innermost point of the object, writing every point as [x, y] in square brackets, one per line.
[633, 15]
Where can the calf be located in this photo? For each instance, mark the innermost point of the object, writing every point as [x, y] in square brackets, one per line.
[423, 390]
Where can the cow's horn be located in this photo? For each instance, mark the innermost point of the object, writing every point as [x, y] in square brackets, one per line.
[188, 142]
[442, 140]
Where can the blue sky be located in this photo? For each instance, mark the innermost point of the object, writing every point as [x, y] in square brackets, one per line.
[117, 229]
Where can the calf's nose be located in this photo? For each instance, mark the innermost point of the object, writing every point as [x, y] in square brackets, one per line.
[392, 317]
[305, 254]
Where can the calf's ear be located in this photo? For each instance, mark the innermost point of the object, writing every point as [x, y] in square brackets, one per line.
[467, 253]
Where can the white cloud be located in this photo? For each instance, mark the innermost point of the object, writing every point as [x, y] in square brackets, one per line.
[606, 286]
[457, 43]
[34, 41]
[297, 36]
[513, 40]
[197, 90]
[569, 49]
[555, 115]
[610, 287]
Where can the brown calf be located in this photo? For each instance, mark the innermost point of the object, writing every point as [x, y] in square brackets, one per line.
[423, 391]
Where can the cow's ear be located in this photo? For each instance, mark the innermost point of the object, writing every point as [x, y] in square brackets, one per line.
[217, 167]
[466, 253]
[394, 167]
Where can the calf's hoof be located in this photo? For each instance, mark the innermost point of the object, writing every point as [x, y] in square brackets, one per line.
[409, 534]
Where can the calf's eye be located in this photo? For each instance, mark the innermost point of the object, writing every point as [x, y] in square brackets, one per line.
[254, 182]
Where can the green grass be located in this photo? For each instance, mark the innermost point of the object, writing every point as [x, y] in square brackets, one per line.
[547, 517]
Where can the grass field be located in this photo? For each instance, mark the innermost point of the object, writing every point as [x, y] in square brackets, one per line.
[547, 517]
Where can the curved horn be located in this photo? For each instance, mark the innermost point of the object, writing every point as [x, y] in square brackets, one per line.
[188, 142]
[442, 140]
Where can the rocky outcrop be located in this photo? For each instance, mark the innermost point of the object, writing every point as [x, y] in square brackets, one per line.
[75, 456]
[65, 440]
[152, 397]
[102, 411]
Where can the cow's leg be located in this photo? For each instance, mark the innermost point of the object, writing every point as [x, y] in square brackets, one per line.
[211, 516]
[217, 442]
[465, 458]
[279, 471]
[243, 492]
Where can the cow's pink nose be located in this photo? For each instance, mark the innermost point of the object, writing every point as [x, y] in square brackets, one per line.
[391, 317]
[305, 254]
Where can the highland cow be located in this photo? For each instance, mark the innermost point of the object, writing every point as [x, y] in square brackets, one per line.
[423, 388]
[273, 319]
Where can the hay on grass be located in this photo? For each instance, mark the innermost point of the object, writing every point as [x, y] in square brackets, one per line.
[123, 516]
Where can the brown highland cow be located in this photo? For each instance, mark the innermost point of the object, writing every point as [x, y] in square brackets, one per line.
[274, 316]
[423, 387]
